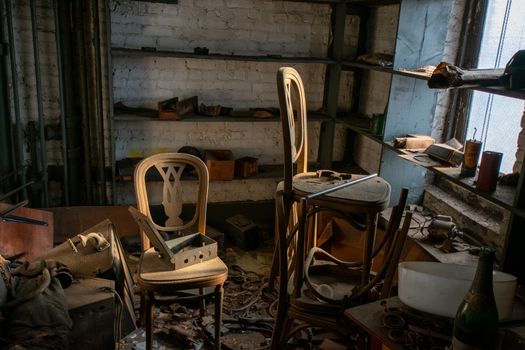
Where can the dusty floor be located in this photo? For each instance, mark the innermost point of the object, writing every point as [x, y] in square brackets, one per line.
[247, 321]
[248, 313]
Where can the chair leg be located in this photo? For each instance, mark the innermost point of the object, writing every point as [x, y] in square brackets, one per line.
[149, 303]
[274, 271]
[142, 310]
[371, 223]
[283, 324]
[202, 303]
[219, 292]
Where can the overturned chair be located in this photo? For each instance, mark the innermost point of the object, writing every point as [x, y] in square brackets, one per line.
[315, 288]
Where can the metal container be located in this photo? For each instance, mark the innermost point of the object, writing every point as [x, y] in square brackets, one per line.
[470, 158]
[489, 171]
[439, 288]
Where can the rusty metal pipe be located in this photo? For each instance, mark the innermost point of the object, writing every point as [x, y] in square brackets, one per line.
[13, 191]
[80, 57]
[111, 126]
[99, 105]
[43, 157]
[18, 134]
[58, 43]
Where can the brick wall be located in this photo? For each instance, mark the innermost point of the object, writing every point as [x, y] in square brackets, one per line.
[242, 27]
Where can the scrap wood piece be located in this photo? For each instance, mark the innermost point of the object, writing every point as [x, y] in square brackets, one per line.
[174, 109]
[447, 75]
[413, 142]
[263, 112]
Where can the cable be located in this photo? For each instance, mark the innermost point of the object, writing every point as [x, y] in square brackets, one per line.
[117, 324]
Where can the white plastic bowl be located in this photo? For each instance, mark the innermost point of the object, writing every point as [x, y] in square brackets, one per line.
[439, 288]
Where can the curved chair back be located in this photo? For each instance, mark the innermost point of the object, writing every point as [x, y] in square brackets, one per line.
[170, 167]
[290, 85]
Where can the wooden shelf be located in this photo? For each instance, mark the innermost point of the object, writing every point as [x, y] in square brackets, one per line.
[195, 118]
[349, 2]
[264, 172]
[127, 51]
[503, 196]
[355, 125]
[497, 90]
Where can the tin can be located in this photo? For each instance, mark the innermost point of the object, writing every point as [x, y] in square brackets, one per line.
[489, 171]
[470, 158]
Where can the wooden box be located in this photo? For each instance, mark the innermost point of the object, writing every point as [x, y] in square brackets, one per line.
[220, 164]
[245, 167]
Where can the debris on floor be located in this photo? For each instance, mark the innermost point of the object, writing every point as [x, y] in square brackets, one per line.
[249, 312]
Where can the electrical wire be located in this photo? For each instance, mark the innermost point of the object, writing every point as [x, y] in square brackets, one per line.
[117, 323]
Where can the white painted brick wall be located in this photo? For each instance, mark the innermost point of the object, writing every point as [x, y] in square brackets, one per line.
[262, 140]
[244, 27]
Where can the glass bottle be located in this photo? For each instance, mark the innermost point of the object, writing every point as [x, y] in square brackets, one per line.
[476, 322]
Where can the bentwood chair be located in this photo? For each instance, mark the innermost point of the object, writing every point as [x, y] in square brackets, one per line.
[158, 280]
[315, 288]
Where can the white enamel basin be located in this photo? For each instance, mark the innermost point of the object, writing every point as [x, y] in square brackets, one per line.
[439, 288]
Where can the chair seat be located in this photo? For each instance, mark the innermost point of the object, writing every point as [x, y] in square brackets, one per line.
[155, 275]
[368, 196]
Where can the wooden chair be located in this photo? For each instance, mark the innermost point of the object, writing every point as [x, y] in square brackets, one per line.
[156, 278]
[298, 199]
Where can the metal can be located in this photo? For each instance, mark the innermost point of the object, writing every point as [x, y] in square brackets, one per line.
[489, 171]
[470, 158]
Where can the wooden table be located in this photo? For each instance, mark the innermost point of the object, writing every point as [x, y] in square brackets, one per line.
[369, 317]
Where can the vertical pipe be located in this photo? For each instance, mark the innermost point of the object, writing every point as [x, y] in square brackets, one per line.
[80, 54]
[43, 158]
[99, 104]
[110, 101]
[7, 154]
[18, 134]
[62, 105]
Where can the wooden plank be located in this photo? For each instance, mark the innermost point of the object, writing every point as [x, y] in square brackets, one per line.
[70, 221]
[20, 237]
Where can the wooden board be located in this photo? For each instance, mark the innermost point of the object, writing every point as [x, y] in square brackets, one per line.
[32, 239]
[70, 221]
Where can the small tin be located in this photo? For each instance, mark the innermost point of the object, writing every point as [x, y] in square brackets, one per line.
[470, 158]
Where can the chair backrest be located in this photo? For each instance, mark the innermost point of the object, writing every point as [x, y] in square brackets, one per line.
[289, 85]
[170, 167]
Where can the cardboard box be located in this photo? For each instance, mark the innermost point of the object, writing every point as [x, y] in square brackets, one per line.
[220, 164]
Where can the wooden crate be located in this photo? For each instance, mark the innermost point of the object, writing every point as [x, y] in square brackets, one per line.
[245, 167]
[220, 164]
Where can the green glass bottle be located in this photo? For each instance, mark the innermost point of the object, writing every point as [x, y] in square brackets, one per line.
[476, 322]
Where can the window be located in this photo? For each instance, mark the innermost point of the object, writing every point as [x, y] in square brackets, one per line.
[497, 119]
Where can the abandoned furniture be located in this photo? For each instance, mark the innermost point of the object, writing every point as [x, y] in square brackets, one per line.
[157, 278]
[97, 262]
[298, 200]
